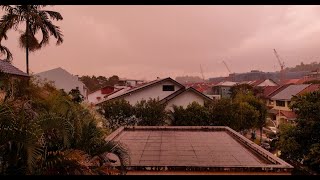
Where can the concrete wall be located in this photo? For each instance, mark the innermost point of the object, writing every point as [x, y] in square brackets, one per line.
[184, 99]
[92, 98]
[153, 92]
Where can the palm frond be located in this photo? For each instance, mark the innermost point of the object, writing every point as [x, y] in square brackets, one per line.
[54, 15]
[4, 50]
[7, 22]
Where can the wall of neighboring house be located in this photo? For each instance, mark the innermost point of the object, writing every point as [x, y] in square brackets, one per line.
[274, 105]
[96, 97]
[184, 99]
[223, 91]
[64, 80]
[154, 92]
[99, 95]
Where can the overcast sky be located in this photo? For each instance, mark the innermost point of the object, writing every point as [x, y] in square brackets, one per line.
[145, 42]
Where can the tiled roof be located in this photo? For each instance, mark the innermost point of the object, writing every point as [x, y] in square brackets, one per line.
[291, 81]
[289, 114]
[8, 68]
[311, 88]
[268, 90]
[291, 90]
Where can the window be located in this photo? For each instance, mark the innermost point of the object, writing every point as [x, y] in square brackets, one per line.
[168, 88]
[280, 103]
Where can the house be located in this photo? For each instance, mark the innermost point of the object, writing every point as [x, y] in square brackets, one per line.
[184, 97]
[62, 79]
[166, 90]
[280, 100]
[223, 88]
[99, 95]
[194, 150]
[11, 72]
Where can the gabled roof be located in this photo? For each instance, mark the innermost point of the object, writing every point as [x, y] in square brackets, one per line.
[311, 88]
[8, 68]
[181, 91]
[291, 90]
[258, 82]
[277, 90]
[289, 114]
[139, 88]
[268, 90]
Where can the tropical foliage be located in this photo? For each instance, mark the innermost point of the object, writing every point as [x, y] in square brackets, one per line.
[46, 132]
[300, 143]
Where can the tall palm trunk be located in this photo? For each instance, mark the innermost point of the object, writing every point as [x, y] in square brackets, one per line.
[27, 46]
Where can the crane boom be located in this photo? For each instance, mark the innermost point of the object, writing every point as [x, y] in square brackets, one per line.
[226, 66]
[279, 59]
[281, 64]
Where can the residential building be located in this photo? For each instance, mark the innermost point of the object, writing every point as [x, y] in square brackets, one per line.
[166, 90]
[194, 150]
[62, 79]
[279, 103]
[223, 88]
[11, 72]
[101, 94]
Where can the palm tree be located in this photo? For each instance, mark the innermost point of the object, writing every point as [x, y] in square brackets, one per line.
[35, 20]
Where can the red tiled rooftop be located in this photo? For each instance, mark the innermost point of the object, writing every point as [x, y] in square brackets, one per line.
[311, 88]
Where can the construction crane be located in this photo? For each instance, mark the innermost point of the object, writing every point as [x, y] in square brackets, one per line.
[202, 73]
[281, 63]
[227, 67]
[232, 75]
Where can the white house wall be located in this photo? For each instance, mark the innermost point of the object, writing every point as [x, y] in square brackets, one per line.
[92, 98]
[184, 99]
[154, 92]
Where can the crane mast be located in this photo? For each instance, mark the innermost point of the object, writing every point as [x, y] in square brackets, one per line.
[202, 73]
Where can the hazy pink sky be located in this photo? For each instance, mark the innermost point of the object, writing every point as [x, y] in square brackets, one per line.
[146, 42]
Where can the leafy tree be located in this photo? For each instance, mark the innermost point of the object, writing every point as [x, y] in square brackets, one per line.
[76, 95]
[300, 143]
[259, 116]
[193, 115]
[36, 19]
[94, 83]
[150, 113]
[118, 113]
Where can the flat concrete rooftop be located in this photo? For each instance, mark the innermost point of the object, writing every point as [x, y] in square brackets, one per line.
[215, 148]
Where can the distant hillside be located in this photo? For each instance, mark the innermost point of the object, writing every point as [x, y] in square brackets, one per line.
[305, 67]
